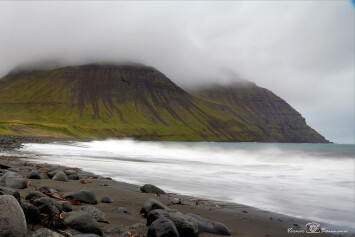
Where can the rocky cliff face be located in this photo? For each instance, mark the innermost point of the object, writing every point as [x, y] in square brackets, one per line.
[275, 117]
[112, 100]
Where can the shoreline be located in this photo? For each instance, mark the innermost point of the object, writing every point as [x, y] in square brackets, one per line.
[241, 220]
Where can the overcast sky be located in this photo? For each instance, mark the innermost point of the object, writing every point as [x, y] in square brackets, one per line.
[303, 51]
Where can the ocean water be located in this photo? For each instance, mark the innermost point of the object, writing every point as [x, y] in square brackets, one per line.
[312, 181]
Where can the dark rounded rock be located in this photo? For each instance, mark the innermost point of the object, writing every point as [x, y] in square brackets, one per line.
[64, 206]
[46, 205]
[10, 191]
[162, 227]
[186, 225]
[86, 196]
[205, 225]
[150, 188]
[33, 195]
[122, 210]
[13, 180]
[44, 232]
[55, 168]
[32, 212]
[152, 204]
[73, 176]
[83, 222]
[53, 173]
[34, 175]
[94, 212]
[113, 230]
[106, 199]
[69, 172]
[3, 166]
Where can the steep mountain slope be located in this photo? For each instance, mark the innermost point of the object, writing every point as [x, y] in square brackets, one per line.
[274, 116]
[119, 100]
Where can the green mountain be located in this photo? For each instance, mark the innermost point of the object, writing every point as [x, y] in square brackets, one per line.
[131, 100]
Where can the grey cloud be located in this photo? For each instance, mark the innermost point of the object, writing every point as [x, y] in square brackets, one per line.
[303, 51]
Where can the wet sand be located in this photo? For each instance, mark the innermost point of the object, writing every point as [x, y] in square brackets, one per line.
[240, 219]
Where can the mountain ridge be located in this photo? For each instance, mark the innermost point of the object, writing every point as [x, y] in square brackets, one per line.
[119, 100]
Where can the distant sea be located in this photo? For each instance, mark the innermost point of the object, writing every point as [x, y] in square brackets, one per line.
[311, 181]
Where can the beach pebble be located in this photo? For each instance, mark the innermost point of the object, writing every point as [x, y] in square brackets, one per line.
[12, 218]
[31, 212]
[83, 222]
[60, 176]
[152, 204]
[162, 227]
[150, 188]
[46, 205]
[106, 199]
[94, 212]
[34, 175]
[186, 225]
[208, 226]
[44, 232]
[9, 191]
[113, 230]
[13, 180]
[122, 210]
[33, 195]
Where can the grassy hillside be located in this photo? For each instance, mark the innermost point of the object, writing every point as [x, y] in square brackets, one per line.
[108, 100]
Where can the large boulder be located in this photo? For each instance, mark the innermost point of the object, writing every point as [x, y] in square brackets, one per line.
[12, 218]
[60, 176]
[83, 222]
[205, 225]
[44, 232]
[150, 188]
[13, 180]
[152, 204]
[32, 213]
[162, 227]
[46, 205]
[9, 191]
[186, 225]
